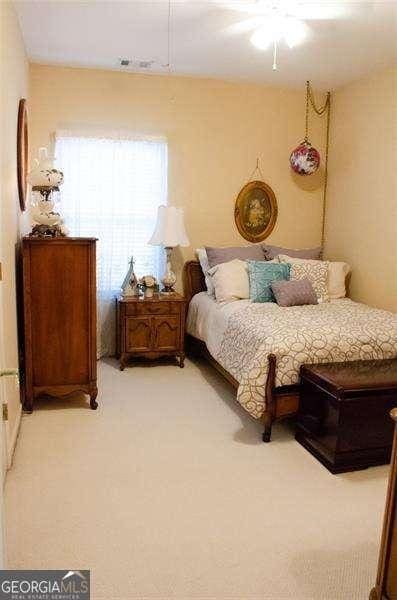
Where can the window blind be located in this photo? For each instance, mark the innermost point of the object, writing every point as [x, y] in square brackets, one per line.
[112, 189]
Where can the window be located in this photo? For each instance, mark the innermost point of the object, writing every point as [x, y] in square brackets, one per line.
[112, 188]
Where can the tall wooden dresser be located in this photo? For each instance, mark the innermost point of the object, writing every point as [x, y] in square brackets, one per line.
[59, 311]
[386, 583]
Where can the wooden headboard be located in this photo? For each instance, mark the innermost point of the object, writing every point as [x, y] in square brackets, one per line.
[193, 279]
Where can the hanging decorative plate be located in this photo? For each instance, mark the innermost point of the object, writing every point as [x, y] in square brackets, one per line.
[255, 211]
[305, 159]
[22, 152]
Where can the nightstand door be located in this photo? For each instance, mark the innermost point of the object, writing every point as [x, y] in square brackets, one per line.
[138, 334]
[166, 333]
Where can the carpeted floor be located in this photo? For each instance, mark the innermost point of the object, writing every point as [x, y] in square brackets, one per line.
[167, 493]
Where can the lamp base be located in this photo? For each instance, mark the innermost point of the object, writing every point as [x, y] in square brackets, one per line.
[169, 278]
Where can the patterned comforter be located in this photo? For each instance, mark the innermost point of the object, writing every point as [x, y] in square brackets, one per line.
[341, 330]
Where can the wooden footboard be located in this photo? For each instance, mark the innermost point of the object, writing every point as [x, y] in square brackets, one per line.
[281, 402]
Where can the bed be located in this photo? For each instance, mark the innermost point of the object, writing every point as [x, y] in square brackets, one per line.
[259, 347]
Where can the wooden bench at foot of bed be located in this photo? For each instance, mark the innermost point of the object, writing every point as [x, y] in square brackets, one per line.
[280, 402]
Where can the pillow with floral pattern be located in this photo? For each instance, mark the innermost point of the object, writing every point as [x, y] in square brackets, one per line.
[316, 271]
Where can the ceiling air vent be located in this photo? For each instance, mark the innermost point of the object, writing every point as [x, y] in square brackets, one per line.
[126, 63]
[145, 64]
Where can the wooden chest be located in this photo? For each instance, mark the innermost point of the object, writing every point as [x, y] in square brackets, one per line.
[343, 417]
[59, 306]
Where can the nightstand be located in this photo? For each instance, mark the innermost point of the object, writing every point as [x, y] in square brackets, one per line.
[151, 327]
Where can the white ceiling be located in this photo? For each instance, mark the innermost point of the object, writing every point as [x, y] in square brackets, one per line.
[96, 33]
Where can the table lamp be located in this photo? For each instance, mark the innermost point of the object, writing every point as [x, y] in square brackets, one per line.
[169, 233]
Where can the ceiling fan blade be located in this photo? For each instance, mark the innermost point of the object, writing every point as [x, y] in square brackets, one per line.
[301, 9]
[253, 7]
[244, 26]
[316, 11]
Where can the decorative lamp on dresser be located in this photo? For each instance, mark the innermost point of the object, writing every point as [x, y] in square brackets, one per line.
[386, 583]
[150, 327]
[59, 309]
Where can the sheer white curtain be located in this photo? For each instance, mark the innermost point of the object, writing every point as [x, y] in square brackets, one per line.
[112, 188]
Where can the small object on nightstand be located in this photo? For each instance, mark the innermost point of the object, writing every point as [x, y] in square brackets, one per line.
[148, 285]
[129, 287]
[151, 327]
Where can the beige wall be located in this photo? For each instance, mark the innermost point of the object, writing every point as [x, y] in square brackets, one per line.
[362, 204]
[14, 85]
[215, 130]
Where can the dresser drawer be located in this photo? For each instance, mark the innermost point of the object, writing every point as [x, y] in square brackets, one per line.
[152, 308]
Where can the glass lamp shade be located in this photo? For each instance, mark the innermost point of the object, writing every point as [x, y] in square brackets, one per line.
[170, 228]
[305, 159]
[44, 174]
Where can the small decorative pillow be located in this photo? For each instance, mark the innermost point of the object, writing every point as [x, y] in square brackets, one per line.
[261, 275]
[294, 293]
[230, 281]
[217, 256]
[203, 260]
[307, 253]
[316, 271]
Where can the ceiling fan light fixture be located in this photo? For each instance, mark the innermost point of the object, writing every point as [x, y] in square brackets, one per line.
[295, 33]
[262, 38]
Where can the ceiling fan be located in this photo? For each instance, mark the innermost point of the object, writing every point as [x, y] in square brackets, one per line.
[278, 21]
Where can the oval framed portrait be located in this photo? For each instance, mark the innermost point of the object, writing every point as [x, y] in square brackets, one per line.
[255, 212]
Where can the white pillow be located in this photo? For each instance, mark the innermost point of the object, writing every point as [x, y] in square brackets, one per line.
[337, 273]
[230, 281]
[316, 271]
[203, 260]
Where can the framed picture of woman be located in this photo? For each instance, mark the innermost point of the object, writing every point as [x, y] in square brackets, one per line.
[255, 212]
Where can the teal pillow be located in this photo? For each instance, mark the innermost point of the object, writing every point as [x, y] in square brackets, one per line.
[261, 275]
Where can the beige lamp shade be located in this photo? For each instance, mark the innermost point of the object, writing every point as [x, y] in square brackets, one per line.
[170, 228]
